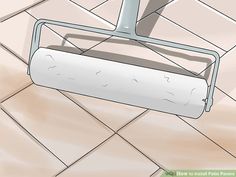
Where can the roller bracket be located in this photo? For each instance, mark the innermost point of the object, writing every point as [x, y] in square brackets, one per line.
[126, 28]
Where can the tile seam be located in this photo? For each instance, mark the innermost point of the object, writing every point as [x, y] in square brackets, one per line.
[158, 53]
[74, 101]
[182, 27]
[30, 135]
[114, 132]
[226, 94]
[91, 12]
[155, 10]
[217, 11]
[98, 5]
[85, 155]
[228, 51]
[9, 96]
[145, 155]
[156, 172]
[10, 51]
[21, 11]
[208, 138]
[53, 31]
[96, 45]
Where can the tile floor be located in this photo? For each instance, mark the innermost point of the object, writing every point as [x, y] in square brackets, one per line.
[47, 132]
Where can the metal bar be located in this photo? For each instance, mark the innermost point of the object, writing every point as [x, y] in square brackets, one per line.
[128, 17]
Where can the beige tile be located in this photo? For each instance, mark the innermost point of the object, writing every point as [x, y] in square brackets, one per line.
[11, 7]
[219, 124]
[205, 22]
[72, 13]
[21, 155]
[174, 144]
[59, 124]
[16, 34]
[52, 40]
[89, 4]
[155, 26]
[148, 6]
[13, 75]
[131, 52]
[226, 80]
[113, 114]
[111, 9]
[226, 7]
[114, 158]
[174, 33]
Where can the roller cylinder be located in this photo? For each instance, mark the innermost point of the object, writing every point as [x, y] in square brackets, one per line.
[124, 83]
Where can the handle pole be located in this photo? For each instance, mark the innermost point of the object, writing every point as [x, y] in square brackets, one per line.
[128, 17]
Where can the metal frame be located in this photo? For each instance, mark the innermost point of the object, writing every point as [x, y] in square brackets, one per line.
[126, 28]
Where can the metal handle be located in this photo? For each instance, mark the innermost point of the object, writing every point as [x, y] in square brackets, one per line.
[128, 17]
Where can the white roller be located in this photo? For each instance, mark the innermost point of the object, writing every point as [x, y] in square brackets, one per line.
[124, 83]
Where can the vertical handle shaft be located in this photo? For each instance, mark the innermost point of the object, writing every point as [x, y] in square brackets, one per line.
[128, 17]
